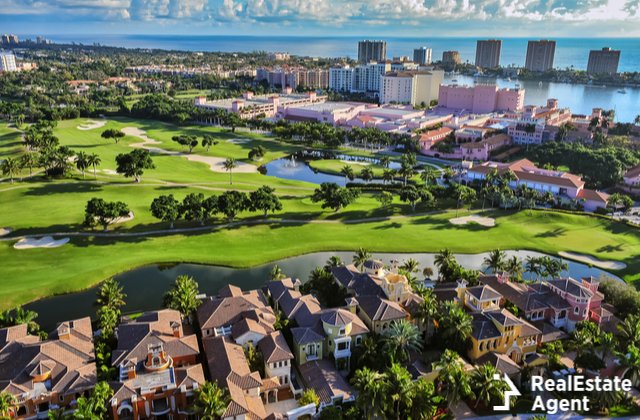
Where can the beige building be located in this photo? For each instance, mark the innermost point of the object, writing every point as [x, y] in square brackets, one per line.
[411, 87]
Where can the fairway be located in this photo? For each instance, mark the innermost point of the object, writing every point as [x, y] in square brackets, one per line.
[39, 206]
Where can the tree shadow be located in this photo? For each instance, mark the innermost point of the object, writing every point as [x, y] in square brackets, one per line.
[555, 233]
[67, 188]
[611, 248]
[391, 225]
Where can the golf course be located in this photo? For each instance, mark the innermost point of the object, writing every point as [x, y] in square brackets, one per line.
[36, 206]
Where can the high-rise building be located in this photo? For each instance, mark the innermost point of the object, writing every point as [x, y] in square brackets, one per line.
[540, 55]
[341, 79]
[10, 39]
[7, 61]
[604, 61]
[411, 87]
[372, 51]
[422, 56]
[488, 53]
[451, 57]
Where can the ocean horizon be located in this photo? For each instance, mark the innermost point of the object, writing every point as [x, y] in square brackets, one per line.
[570, 52]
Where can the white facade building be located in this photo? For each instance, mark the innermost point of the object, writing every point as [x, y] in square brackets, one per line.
[341, 79]
[411, 87]
[8, 62]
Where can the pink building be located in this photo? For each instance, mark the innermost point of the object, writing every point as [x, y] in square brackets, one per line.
[480, 99]
[432, 137]
[482, 150]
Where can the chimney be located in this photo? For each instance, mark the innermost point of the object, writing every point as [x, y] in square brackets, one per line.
[64, 331]
[296, 285]
[352, 304]
[176, 327]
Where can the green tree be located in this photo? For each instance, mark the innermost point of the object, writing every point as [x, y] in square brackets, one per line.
[388, 175]
[348, 173]
[333, 261]
[94, 161]
[366, 174]
[465, 195]
[211, 401]
[264, 199]
[399, 390]
[276, 273]
[333, 196]
[108, 319]
[554, 350]
[192, 208]
[103, 213]
[111, 294]
[410, 194]
[112, 133]
[495, 261]
[630, 361]
[629, 329]
[230, 203]
[96, 406]
[257, 153]
[7, 404]
[360, 257]
[429, 175]
[486, 389]
[371, 387]
[166, 208]
[514, 267]
[401, 338]
[229, 165]
[10, 167]
[183, 296]
[309, 396]
[208, 141]
[425, 400]
[82, 162]
[385, 198]
[454, 326]
[29, 160]
[453, 382]
[133, 164]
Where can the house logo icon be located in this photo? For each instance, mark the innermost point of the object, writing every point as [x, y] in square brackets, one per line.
[511, 391]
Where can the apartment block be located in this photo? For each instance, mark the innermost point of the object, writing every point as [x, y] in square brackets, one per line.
[488, 53]
[604, 61]
[540, 55]
[372, 51]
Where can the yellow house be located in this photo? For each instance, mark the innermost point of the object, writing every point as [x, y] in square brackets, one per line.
[378, 313]
[502, 332]
[396, 287]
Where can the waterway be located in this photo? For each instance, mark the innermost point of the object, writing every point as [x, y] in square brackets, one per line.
[145, 286]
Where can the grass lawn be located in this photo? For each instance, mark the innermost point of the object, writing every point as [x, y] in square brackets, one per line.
[39, 206]
[334, 166]
[30, 274]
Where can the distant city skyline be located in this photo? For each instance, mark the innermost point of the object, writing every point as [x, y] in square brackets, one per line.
[495, 18]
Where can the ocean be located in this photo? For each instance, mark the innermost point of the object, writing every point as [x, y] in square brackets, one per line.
[570, 52]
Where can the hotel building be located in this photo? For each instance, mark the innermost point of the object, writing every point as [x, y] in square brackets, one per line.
[604, 61]
[540, 55]
[481, 99]
[422, 55]
[372, 51]
[488, 53]
[411, 87]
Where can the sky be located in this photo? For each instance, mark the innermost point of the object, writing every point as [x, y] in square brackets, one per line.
[504, 18]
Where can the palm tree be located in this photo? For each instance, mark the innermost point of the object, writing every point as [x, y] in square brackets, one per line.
[23, 316]
[533, 266]
[427, 272]
[554, 351]
[7, 402]
[183, 296]
[29, 160]
[369, 352]
[514, 267]
[347, 172]
[385, 161]
[111, 294]
[410, 265]
[371, 387]
[485, 387]
[495, 261]
[211, 401]
[387, 175]
[429, 175]
[631, 362]
[444, 260]
[399, 389]
[276, 273]
[366, 174]
[454, 326]
[401, 338]
[81, 162]
[360, 257]
[10, 167]
[229, 165]
[333, 261]
[453, 382]
[427, 309]
[630, 330]
[636, 120]
[94, 160]
[425, 400]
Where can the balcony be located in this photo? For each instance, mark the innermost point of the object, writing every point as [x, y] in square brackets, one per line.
[339, 354]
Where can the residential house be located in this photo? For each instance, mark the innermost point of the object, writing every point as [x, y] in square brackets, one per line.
[158, 368]
[482, 150]
[632, 177]
[47, 375]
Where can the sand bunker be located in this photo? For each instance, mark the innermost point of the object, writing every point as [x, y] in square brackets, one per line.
[588, 259]
[238, 141]
[44, 242]
[91, 124]
[108, 171]
[216, 164]
[350, 162]
[483, 221]
[5, 231]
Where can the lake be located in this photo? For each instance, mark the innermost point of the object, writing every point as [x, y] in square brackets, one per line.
[145, 286]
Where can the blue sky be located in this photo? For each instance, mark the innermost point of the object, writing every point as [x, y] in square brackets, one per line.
[504, 18]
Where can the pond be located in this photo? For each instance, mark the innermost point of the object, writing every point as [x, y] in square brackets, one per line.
[296, 167]
[145, 286]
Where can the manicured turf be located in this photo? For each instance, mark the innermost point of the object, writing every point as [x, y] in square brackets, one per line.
[334, 166]
[29, 274]
[39, 206]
